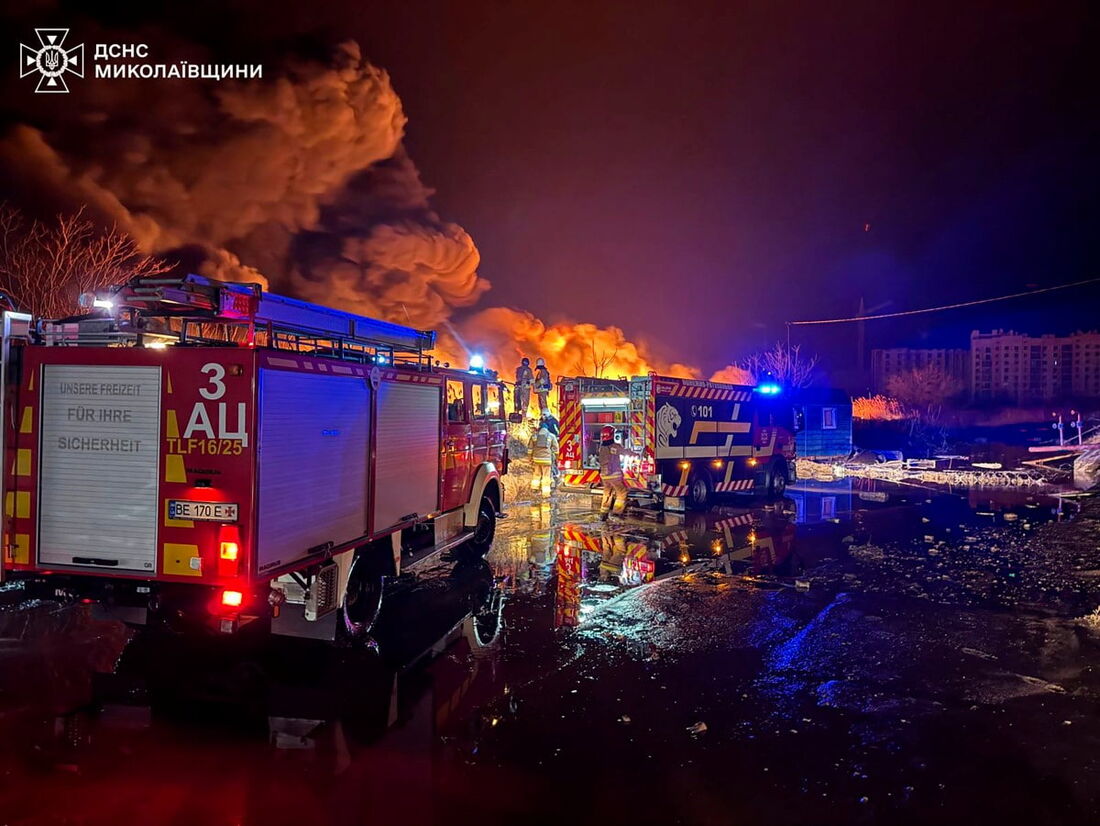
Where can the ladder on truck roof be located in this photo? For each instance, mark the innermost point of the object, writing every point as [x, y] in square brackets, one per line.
[228, 301]
[192, 303]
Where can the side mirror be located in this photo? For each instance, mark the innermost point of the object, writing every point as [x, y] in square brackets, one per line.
[799, 419]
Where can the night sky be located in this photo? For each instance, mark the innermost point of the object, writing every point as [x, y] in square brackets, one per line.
[701, 172]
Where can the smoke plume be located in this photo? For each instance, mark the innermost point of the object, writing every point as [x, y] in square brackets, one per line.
[300, 182]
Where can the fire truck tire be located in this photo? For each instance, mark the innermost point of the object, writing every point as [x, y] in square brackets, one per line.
[699, 491]
[484, 531]
[362, 599]
[777, 480]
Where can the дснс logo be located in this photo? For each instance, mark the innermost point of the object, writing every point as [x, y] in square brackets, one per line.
[51, 60]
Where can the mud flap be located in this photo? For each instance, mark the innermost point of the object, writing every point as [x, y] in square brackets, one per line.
[129, 614]
[292, 623]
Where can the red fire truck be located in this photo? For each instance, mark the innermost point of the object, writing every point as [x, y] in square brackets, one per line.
[690, 439]
[199, 449]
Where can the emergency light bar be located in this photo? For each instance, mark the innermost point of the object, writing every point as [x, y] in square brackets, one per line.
[769, 389]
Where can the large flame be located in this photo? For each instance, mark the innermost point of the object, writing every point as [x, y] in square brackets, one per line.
[570, 349]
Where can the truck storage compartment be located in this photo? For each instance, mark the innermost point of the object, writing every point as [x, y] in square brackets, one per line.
[312, 457]
[406, 452]
[100, 462]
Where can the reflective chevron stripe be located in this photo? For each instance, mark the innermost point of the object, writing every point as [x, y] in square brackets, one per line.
[733, 522]
[579, 479]
[736, 484]
[707, 392]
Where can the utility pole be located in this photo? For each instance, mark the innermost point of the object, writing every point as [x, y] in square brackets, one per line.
[861, 341]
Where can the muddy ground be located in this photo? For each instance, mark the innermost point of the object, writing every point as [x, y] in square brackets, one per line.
[853, 654]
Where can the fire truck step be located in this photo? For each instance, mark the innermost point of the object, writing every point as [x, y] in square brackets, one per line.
[442, 551]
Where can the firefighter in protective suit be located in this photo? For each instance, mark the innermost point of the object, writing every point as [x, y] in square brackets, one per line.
[544, 456]
[524, 378]
[543, 385]
[611, 475]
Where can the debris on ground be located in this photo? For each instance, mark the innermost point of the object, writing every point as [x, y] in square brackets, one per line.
[900, 472]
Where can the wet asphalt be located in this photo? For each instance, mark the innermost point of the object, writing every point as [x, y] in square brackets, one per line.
[855, 653]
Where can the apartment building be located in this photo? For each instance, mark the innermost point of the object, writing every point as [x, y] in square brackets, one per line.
[1010, 366]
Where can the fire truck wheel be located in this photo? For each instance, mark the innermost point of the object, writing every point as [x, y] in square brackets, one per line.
[484, 531]
[363, 599]
[777, 480]
[699, 489]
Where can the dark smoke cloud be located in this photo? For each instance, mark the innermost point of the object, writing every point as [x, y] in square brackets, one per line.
[299, 181]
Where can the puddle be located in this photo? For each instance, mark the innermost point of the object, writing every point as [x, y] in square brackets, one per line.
[848, 526]
[894, 632]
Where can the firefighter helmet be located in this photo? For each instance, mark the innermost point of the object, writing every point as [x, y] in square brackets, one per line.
[607, 433]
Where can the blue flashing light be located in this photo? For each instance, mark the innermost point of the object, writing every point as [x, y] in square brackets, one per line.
[477, 362]
[769, 389]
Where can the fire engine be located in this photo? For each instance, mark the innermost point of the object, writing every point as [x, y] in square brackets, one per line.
[689, 439]
[192, 449]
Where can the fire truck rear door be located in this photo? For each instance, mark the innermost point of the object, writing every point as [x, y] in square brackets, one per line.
[100, 463]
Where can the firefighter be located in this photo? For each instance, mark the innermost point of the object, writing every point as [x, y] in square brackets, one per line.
[544, 455]
[553, 425]
[524, 377]
[611, 475]
[543, 385]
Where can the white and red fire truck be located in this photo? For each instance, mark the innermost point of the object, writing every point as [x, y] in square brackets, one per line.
[689, 439]
[201, 449]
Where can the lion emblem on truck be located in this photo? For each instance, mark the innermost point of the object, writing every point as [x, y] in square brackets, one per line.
[668, 424]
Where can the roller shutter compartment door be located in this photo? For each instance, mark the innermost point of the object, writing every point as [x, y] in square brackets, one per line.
[312, 463]
[99, 467]
[406, 464]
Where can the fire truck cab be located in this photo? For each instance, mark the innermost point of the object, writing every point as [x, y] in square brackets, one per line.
[689, 439]
[201, 450]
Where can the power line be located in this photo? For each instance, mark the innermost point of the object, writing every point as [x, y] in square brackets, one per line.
[944, 307]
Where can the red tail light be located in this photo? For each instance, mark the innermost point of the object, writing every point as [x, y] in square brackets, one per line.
[230, 552]
[232, 599]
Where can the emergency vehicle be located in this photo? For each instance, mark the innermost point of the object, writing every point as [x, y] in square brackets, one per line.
[690, 439]
[201, 449]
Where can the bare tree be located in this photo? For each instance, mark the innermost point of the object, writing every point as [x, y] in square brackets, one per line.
[600, 363]
[923, 391]
[782, 363]
[44, 267]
